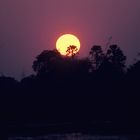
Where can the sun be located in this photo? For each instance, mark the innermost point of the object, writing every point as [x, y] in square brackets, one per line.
[68, 45]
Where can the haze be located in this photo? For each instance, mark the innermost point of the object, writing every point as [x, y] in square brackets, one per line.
[28, 27]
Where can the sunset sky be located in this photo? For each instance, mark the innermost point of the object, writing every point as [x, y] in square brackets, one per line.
[27, 27]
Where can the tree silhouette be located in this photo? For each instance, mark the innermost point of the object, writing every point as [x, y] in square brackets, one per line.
[116, 58]
[133, 78]
[71, 51]
[134, 71]
[44, 61]
[96, 56]
[52, 63]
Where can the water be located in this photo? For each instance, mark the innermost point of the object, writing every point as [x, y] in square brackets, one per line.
[75, 136]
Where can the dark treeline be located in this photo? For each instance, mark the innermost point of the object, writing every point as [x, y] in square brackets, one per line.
[99, 88]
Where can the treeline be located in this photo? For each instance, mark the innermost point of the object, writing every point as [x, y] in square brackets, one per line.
[100, 69]
[98, 87]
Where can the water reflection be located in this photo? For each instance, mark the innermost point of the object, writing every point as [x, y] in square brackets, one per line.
[77, 136]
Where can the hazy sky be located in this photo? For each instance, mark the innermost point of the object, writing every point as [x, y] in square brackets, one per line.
[28, 27]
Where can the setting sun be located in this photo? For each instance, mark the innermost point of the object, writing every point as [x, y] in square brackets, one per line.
[67, 42]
